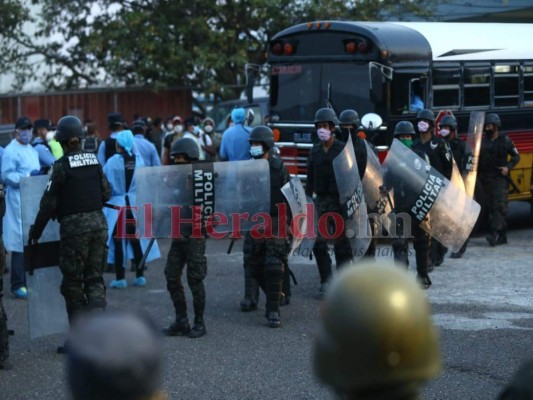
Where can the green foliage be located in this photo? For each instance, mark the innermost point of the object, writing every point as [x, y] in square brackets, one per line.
[202, 44]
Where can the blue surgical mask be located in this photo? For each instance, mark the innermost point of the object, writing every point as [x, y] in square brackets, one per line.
[25, 136]
[196, 130]
[256, 151]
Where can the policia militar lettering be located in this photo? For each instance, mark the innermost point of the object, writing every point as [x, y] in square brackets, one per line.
[75, 194]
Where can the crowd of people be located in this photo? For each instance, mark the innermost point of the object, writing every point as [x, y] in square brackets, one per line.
[92, 185]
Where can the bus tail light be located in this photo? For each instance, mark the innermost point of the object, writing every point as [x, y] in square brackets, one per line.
[288, 49]
[277, 134]
[363, 46]
[350, 46]
[276, 48]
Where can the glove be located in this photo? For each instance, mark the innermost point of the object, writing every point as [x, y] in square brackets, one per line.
[383, 190]
[33, 235]
[35, 172]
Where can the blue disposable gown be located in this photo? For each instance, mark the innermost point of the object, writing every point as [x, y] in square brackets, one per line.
[114, 170]
[18, 161]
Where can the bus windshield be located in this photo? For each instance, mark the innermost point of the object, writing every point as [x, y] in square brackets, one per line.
[299, 90]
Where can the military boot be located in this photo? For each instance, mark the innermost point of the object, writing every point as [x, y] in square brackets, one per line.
[180, 327]
[502, 238]
[198, 329]
[273, 319]
[251, 295]
[492, 238]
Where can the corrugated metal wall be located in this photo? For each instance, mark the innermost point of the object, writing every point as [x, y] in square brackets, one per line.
[96, 104]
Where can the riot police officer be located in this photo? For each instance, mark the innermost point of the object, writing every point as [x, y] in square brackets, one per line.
[75, 194]
[385, 351]
[186, 250]
[440, 158]
[404, 131]
[494, 170]
[264, 256]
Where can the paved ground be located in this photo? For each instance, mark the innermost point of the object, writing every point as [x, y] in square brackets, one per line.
[482, 304]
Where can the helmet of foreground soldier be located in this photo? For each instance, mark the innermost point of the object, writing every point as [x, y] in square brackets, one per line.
[404, 128]
[262, 134]
[349, 117]
[521, 385]
[186, 146]
[427, 115]
[68, 127]
[448, 120]
[326, 115]
[376, 332]
[493, 119]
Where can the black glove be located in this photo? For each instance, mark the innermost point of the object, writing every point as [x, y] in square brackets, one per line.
[33, 235]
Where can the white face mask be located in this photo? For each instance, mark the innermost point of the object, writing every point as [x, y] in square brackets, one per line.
[178, 128]
[50, 135]
[208, 128]
[169, 127]
[423, 126]
[444, 132]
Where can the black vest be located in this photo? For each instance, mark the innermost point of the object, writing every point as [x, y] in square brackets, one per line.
[324, 183]
[438, 154]
[276, 183]
[110, 149]
[82, 190]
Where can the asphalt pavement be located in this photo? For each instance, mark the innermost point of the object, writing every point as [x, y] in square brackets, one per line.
[482, 305]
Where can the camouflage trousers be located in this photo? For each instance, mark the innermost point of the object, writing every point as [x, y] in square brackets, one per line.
[497, 199]
[421, 244]
[191, 252]
[4, 340]
[264, 260]
[81, 261]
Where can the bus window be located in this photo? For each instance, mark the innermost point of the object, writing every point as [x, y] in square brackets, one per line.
[528, 85]
[476, 87]
[506, 86]
[446, 88]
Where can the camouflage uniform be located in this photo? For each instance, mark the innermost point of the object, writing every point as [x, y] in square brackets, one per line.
[190, 251]
[4, 341]
[83, 238]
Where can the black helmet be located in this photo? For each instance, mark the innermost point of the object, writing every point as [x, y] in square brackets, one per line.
[349, 117]
[186, 146]
[326, 115]
[448, 120]
[426, 114]
[493, 119]
[404, 128]
[68, 127]
[262, 134]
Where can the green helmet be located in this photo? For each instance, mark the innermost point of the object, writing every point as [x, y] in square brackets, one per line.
[426, 114]
[493, 119]
[376, 331]
[349, 117]
[262, 134]
[68, 127]
[404, 128]
[448, 120]
[186, 146]
[326, 115]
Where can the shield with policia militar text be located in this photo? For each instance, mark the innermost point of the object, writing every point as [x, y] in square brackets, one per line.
[444, 211]
[47, 313]
[202, 198]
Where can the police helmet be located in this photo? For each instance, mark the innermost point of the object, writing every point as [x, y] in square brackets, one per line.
[186, 146]
[68, 127]
[448, 120]
[326, 115]
[393, 342]
[349, 117]
[404, 128]
[262, 134]
[493, 119]
[427, 115]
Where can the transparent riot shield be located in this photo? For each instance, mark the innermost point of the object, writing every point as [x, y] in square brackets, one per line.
[441, 209]
[223, 196]
[352, 201]
[473, 142]
[456, 177]
[301, 215]
[47, 313]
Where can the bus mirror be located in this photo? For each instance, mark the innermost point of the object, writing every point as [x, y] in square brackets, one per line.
[250, 82]
[371, 121]
[378, 76]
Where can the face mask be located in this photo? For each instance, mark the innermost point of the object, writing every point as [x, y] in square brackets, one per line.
[407, 142]
[324, 134]
[169, 127]
[208, 128]
[489, 132]
[25, 136]
[50, 136]
[196, 130]
[178, 128]
[444, 132]
[256, 151]
[423, 126]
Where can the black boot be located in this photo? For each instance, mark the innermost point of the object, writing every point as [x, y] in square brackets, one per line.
[502, 238]
[180, 327]
[198, 329]
[273, 319]
[424, 281]
[492, 238]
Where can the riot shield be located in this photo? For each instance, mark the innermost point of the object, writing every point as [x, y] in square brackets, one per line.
[352, 201]
[47, 313]
[473, 142]
[456, 177]
[300, 209]
[219, 197]
[441, 209]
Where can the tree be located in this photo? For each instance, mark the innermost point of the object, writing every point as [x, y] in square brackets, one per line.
[164, 43]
